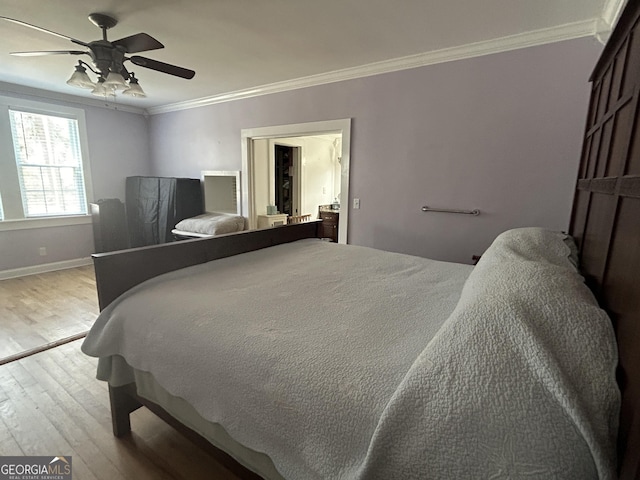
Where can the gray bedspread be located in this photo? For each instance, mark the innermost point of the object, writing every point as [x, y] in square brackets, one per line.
[295, 350]
[344, 362]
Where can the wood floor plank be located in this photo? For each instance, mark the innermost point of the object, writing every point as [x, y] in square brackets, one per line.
[43, 437]
[52, 404]
[43, 308]
[9, 447]
[81, 444]
[49, 410]
[8, 444]
[96, 423]
[34, 404]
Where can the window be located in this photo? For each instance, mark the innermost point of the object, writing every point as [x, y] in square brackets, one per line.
[45, 179]
[49, 161]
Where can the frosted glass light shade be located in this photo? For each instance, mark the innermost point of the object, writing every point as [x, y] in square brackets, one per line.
[102, 90]
[134, 90]
[115, 81]
[79, 78]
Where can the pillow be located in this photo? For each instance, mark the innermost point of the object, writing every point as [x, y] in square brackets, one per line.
[535, 244]
[212, 224]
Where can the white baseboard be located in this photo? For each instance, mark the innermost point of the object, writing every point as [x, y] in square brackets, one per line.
[45, 267]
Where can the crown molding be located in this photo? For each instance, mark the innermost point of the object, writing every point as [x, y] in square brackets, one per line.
[529, 39]
[610, 13]
[30, 93]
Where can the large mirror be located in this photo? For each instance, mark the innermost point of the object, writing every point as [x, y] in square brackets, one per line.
[294, 173]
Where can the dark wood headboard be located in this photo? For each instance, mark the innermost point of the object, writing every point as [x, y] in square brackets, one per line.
[606, 214]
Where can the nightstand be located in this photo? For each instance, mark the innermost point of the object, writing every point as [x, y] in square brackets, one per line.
[268, 221]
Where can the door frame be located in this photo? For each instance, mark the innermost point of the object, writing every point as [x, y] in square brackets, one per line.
[340, 126]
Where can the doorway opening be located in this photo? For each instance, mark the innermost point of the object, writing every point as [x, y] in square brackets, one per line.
[311, 183]
[285, 176]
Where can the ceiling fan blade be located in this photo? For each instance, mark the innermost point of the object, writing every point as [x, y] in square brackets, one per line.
[40, 29]
[140, 42]
[48, 52]
[162, 67]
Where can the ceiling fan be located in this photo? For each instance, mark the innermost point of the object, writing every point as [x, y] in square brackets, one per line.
[108, 58]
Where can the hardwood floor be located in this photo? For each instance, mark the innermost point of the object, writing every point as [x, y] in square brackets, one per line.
[39, 309]
[51, 404]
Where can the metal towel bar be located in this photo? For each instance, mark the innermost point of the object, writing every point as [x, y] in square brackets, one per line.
[446, 210]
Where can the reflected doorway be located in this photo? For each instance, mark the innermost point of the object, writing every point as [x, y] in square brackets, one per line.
[314, 186]
[284, 179]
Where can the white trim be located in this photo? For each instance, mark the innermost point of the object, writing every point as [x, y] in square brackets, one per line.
[610, 13]
[45, 267]
[78, 114]
[44, 222]
[528, 39]
[341, 126]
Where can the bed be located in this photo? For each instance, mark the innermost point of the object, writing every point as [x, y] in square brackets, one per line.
[222, 208]
[209, 224]
[361, 387]
[517, 372]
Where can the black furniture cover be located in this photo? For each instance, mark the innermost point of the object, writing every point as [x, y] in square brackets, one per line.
[109, 225]
[156, 204]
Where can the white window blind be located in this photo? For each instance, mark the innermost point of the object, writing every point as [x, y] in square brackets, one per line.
[49, 161]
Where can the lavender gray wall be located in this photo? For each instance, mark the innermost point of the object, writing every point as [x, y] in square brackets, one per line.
[118, 147]
[501, 133]
[20, 248]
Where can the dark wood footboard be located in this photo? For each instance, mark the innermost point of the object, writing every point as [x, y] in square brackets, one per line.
[117, 272]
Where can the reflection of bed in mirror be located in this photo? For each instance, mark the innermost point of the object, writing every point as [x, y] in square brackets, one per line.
[222, 207]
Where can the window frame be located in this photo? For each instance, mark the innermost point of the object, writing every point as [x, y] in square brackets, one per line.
[12, 202]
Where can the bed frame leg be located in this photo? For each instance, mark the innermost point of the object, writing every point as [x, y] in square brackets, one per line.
[122, 404]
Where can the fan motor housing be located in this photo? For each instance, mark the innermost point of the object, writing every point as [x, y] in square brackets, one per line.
[106, 57]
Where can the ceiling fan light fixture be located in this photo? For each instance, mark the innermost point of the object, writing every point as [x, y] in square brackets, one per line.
[115, 81]
[102, 90]
[107, 58]
[79, 78]
[134, 90]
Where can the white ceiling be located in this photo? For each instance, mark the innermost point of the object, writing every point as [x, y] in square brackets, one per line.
[236, 45]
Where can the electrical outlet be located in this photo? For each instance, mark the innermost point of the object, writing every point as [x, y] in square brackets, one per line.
[43, 251]
[356, 203]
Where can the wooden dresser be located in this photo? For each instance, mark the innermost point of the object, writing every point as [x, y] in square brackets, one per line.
[330, 218]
